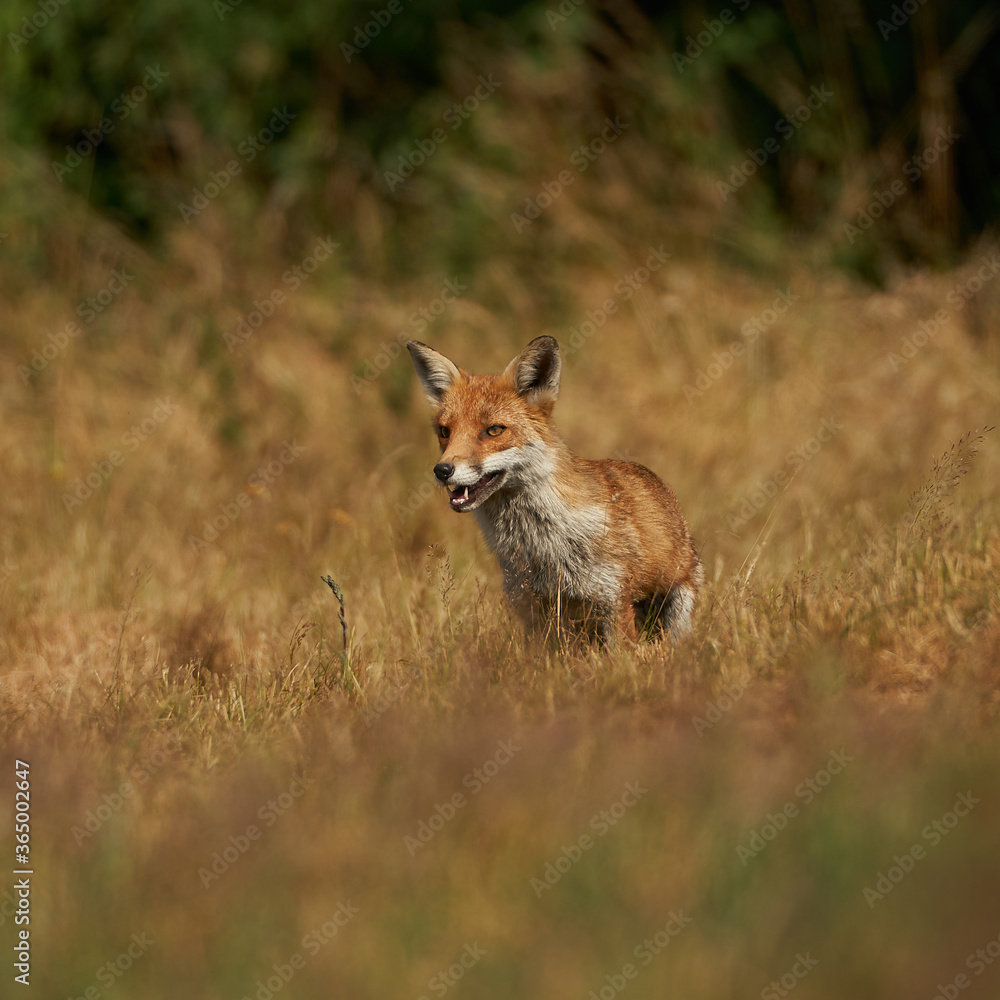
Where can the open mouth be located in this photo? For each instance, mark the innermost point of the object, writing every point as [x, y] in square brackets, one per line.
[465, 497]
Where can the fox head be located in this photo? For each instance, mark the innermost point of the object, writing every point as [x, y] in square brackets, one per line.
[493, 430]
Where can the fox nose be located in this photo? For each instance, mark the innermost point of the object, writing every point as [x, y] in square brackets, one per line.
[444, 470]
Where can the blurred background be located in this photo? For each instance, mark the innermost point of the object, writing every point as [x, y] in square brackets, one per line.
[180, 86]
[765, 237]
[694, 90]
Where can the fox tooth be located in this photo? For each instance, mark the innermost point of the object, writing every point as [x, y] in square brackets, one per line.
[466, 492]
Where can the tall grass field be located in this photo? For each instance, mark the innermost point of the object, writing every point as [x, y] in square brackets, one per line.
[245, 782]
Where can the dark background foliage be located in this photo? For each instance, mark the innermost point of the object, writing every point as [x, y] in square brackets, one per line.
[896, 78]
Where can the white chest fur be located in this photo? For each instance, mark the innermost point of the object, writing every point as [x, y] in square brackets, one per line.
[549, 546]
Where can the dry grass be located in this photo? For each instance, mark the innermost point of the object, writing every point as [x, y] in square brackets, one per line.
[832, 619]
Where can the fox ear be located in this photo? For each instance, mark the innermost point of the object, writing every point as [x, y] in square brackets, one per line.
[436, 373]
[536, 370]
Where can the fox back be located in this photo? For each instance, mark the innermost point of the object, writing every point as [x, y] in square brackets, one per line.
[606, 541]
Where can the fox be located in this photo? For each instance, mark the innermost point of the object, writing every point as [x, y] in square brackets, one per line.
[602, 541]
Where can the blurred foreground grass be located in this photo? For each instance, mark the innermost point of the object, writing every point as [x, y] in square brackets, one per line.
[169, 631]
[232, 417]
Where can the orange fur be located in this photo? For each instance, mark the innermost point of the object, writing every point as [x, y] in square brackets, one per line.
[605, 540]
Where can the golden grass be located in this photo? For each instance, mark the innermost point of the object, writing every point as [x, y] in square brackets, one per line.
[830, 621]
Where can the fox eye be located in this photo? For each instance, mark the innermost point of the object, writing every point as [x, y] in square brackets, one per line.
[443, 432]
[496, 430]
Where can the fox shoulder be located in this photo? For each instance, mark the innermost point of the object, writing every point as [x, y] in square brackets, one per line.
[630, 479]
